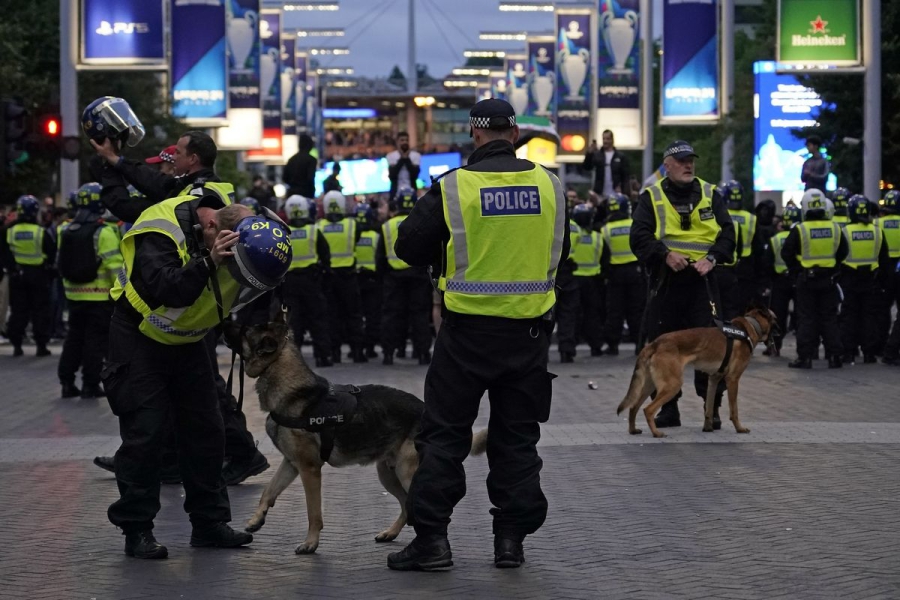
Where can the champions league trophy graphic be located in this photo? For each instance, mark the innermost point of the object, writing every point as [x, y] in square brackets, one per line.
[287, 79]
[573, 66]
[300, 94]
[241, 34]
[518, 95]
[267, 65]
[542, 86]
[618, 35]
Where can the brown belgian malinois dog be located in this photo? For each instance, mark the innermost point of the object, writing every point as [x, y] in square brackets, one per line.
[660, 367]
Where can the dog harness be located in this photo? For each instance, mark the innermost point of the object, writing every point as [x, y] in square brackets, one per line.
[324, 416]
[733, 332]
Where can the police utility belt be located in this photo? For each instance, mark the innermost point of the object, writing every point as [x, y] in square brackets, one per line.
[323, 416]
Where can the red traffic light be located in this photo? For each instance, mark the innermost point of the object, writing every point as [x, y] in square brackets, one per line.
[52, 126]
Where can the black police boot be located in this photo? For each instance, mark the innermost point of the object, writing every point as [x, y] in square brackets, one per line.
[800, 363]
[70, 390]
[92, 391]
[508, 553]
[566, 357]
[324, 361]
[425, 358]
[834, 362]
[142, 544]
[596, 352]
[42, 350]
[359, 356]
[370, 352]
[237, 471]
[668, 416]
[17, 350]
[425, 553]
[612, 349]
[219, 535]
[388, 358]
[869, 359]
[107, 463]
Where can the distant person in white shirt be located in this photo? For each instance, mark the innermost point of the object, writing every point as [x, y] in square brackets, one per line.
[611, 166]
[404, 165]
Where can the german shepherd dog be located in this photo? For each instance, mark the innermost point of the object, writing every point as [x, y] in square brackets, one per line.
[382, 429]
[660, 367]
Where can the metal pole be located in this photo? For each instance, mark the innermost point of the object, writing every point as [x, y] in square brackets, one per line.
[68, 88]
[647, 87]
[411, 75]
[871, 33]
[726, 34]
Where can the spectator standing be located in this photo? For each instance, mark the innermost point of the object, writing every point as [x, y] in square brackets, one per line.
[300, 172]
[816, 168]
[404, 165]
[611, 167]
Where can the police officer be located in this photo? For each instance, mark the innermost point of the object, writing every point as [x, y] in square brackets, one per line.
[779, 283]
[727, 273]
[407, 290]
[568, 298]
[749, 246]
[506, 236]
[90, 307]
[889, 224]
[812, 251]
[626, 287]
[342, 287]
[681, 230]
[867, 259]
[28, 252]
[370, 288]
[184, 266]
[589, 278]
[303, 282]
[840, 198]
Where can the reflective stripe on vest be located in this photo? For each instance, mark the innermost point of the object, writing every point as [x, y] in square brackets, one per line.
[574, 237]
[587, 255]
[616, 235]
[341, 238]
[819, 242]
[747, 223]
[777, 242]
[365, 250]
[26, 242]
[890, 231]
[225, 191]
[864, 243]
[506, 238]
[303, 247]
[695, 242]
[390, 230]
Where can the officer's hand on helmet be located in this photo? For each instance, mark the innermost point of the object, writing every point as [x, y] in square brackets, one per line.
[106, 150]
[221, 247]
[677, 261]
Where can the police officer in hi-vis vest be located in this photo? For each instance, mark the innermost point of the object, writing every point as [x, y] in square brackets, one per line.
[812, 252]
[779, 282]
[889, 224]
[863, 273]
[681, 230]
[28, 252]
[370, 288]
[589, 279]
[840, 199]
[626, 284]
[498, 228]
[303, 283]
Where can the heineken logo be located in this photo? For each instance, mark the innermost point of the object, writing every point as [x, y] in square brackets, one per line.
[818, 26]
[818, 35]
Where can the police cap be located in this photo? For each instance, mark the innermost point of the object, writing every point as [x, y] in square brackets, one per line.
[679, 149]
[492, 113]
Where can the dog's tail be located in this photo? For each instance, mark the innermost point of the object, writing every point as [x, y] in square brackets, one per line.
[479, 443]
[638, 391]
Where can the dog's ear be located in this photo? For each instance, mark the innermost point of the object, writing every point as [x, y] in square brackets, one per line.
[267, 345]
[231, 333]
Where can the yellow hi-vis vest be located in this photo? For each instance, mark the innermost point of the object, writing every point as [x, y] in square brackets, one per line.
[841, 220]
[225, 191]
[506, 239]
[26, 242]
[106, 246]
[574, 238]
[864, 243]
[695, 242]
[365, 250]
[172, 326]
[890, 230]
[819, 242]
[746, 221]
[303, 247]
[341, 238]
[616, 235]
[587, 254]
[777, 243]
[389, 231]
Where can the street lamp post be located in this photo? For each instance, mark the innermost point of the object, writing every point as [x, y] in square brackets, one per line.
[68, 88]
[872, 119]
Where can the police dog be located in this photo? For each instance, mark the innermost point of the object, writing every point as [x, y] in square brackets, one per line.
[381, 430]
[660, 367]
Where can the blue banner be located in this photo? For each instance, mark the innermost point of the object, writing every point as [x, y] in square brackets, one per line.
[301, 66]
[270, 84]
[619, 72]
[574, 45]
[288, 85]
[690, 63]
[542, 78]
[199, 61]
[498, 85]
[243, 54]
[123, 32]
[517, 82]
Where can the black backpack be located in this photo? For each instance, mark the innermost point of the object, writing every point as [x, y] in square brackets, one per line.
[77, 256]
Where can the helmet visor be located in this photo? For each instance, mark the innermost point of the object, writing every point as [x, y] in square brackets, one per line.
[121, 120]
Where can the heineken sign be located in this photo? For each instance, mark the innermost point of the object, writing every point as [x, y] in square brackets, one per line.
[819, 32]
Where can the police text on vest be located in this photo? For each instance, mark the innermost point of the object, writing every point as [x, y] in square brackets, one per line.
[510, 200]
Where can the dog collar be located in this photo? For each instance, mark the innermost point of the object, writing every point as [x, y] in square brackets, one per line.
[756, 326]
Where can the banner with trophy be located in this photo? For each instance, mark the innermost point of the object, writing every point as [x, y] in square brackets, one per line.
[498, 84]
[541, 77]
[270, 86]
[301, 66]
[244, 130]
[517, 82]
[576, 44]
[199, 70]
[288, 85]
[483, 92]
[120, 33]
[618, 73]
[690, 63]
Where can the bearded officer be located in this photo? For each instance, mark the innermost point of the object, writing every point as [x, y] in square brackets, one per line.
[499, 229]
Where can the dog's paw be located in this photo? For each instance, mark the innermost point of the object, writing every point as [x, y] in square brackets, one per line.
[659, 434]
[743, 430]
[635, 431]
[707, 428]
[306, 548]
[254, 525]
[386, 536]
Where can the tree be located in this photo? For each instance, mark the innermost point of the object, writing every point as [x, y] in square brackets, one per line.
[397, 77]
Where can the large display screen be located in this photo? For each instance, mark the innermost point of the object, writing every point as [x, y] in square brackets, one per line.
[366, 176]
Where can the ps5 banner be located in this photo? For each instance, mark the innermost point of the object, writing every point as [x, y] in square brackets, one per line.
[576, 45]
[117, 33]
[541, 77]
[618, 73]
[270, 86]
[199, 71]
[690, 62]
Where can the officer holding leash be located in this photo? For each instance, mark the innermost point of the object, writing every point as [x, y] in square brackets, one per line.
[499, 229]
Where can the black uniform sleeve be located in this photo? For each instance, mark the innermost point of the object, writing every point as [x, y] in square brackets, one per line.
[886, 265]
[290, 174]
[48, 246]
[588, 164]
[604, 259]
[424, 231]
[324, 252]
[790, 250]
[381, 263]
[644, 244]
[148, 181]
[723, 248]
[843, 250]
[162, 280]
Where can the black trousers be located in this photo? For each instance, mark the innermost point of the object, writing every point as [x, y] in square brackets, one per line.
[782, 294]
[891, 297]
[344, 310]
[509, 361]
[626, 298]
[730, 290]
[370, 294]
[859, 313]
[406, 305]
[29, 300]
[86, 342]
[568, 306]
[302, 289]
[144, 381]
[817, 311]
[747, 285]
[593, 310]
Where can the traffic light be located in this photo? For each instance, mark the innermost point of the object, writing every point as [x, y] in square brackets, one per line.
[46, 137]
[13, 133]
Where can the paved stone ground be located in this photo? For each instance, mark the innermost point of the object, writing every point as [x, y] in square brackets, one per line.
[805, 506]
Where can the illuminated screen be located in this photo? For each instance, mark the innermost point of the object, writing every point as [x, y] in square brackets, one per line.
[367, 176]
[435, 165]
